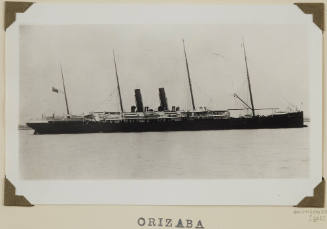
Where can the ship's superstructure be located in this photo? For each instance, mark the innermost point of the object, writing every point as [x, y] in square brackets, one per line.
[143, 118]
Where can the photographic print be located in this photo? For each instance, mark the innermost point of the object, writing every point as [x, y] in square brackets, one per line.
[189, 101]
[160, 101]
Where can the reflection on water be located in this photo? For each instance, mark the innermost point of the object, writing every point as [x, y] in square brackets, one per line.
[266, 153]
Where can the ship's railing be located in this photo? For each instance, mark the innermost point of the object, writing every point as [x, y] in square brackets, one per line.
[118, 116]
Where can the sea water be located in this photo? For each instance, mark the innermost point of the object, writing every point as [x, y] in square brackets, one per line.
[218, 154]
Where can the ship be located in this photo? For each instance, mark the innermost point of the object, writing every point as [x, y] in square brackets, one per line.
[141, 118]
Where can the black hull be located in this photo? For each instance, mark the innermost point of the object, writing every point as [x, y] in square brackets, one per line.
[289, 120]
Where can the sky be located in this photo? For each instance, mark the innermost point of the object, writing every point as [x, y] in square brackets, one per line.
[151, 56]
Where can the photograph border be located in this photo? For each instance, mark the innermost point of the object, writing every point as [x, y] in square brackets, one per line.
[309, 8]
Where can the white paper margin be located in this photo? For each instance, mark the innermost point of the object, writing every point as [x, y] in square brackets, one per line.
[163, 192]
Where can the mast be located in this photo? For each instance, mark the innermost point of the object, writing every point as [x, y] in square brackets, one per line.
[118, 87]
[63, 83]
[249, 82]
[188, 76]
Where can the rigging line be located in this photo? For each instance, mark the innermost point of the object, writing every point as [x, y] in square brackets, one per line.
[236, 96]
[288, 102]
[102, 102]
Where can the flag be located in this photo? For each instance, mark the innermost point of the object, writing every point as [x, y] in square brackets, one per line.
[55, 90]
